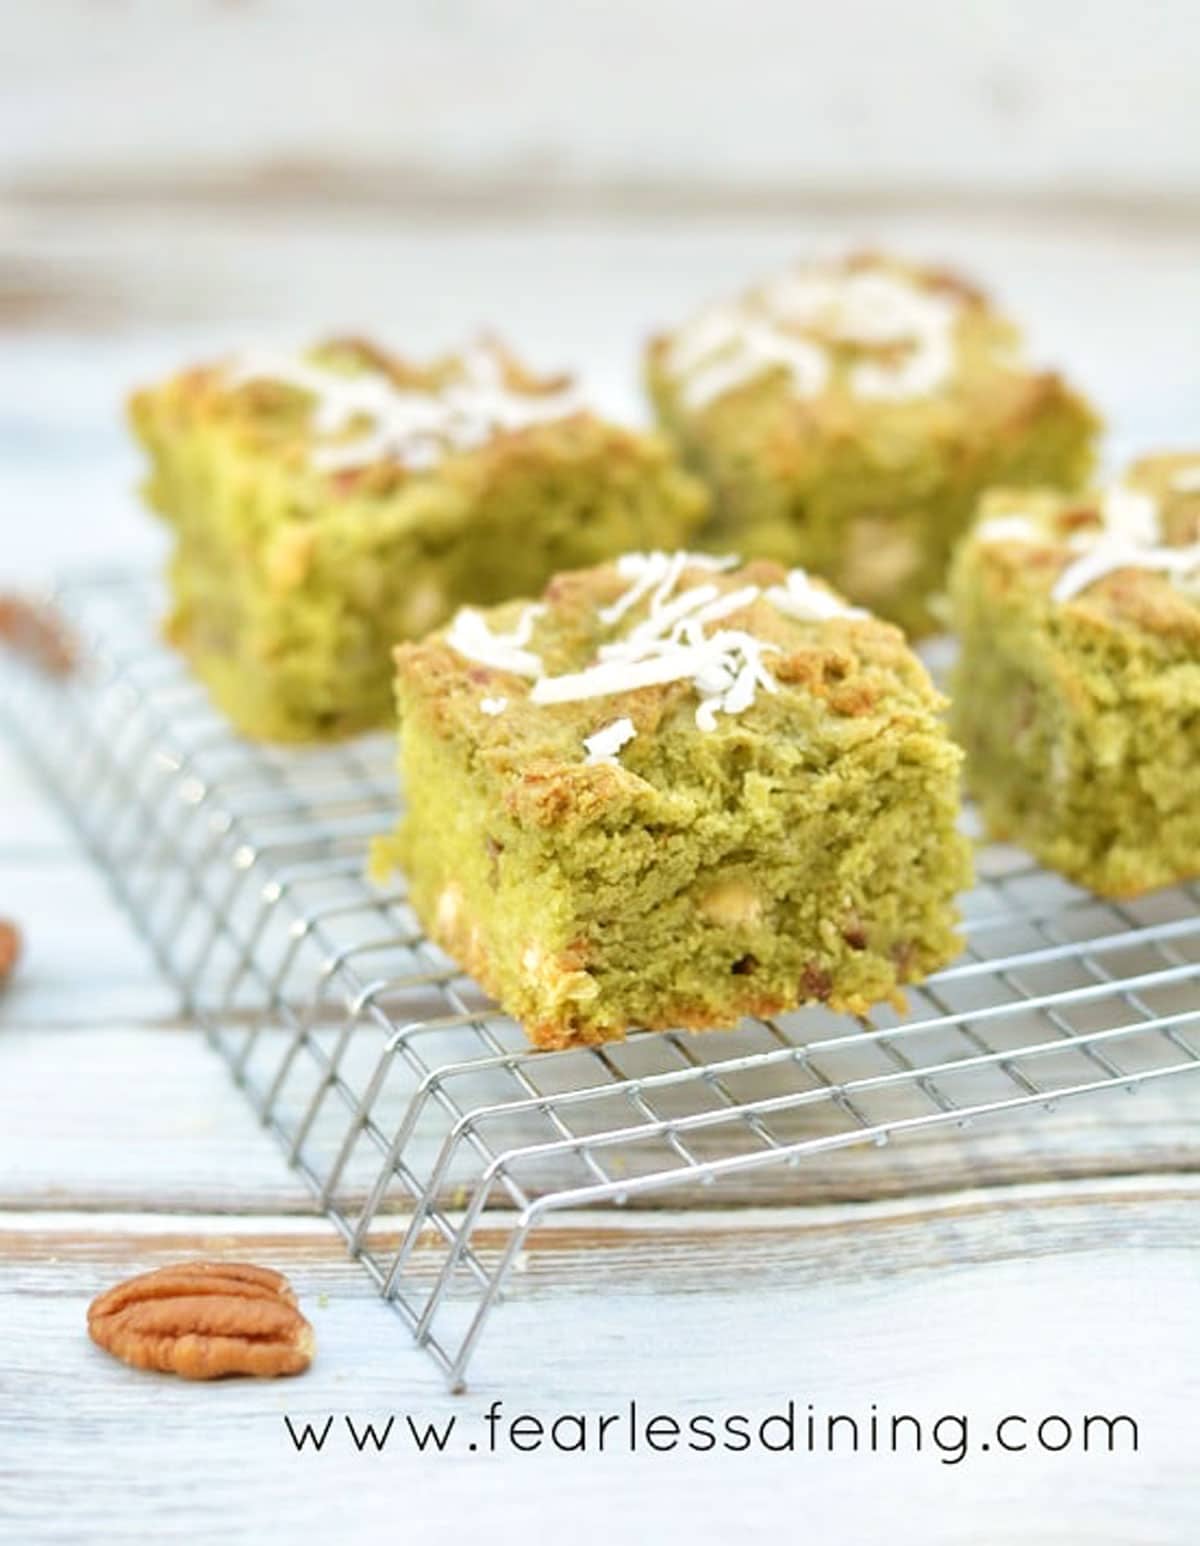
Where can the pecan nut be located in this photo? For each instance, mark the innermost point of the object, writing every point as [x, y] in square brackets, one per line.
[10, 948]
[204, 1320]
[37, 631]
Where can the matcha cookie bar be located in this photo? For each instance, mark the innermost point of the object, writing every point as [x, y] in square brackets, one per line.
[847, 416]
[1077, 693]
[674, 792]
[329, 504]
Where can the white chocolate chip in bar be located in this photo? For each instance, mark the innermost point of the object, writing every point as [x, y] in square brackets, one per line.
[731, 903]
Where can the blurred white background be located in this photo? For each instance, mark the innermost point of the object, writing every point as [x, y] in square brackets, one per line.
[644, 101]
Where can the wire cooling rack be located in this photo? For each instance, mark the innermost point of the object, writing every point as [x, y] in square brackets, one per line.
[432, 1136]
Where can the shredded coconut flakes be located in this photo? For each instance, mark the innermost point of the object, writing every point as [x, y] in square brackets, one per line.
[1130, 537]
[471, 637]
[1131, 515]
[727, 667]
[795, 322]
[1113, 553]
[416, 427]
[801, 598]
[606, 743]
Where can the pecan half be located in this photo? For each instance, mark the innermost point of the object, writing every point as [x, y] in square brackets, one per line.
[38, 633]
[204, 1320]
[10, 948]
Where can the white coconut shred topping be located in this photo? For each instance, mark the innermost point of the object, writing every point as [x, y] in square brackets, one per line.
[670, 645]
[658, 572]
[1129, 537]
[471, 637]
[797, 322]
[606, 743]
[726, 667]
[1113, 553]
[1131, 515]
[492, 706]
[809, 602]
[415, 427]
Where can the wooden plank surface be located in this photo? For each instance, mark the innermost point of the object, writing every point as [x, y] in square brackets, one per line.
[1032, 1302]
[533, 102]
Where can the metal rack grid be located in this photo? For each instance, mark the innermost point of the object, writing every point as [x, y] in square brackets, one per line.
[431, 1135]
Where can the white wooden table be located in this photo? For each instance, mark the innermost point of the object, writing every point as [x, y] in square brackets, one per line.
[123, 1144]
